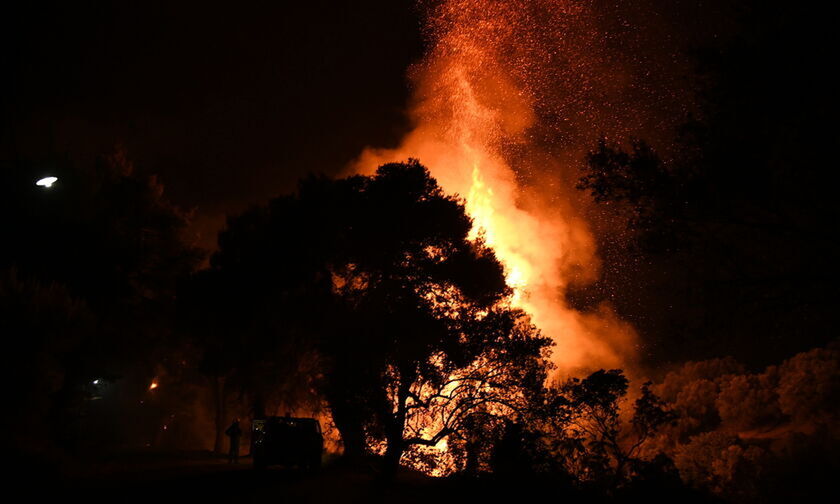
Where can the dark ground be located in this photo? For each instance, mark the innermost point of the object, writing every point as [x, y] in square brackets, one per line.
[201, 477]
[157, 478]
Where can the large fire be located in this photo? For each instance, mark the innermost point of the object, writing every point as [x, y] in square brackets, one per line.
[507, 99]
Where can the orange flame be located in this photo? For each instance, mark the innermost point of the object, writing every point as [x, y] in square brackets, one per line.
[476, 121]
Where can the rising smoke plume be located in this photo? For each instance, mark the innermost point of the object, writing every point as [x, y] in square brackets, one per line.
[506, 101]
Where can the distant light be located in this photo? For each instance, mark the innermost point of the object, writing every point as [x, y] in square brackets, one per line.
[96, 382]
[46, 182]
[153, 386]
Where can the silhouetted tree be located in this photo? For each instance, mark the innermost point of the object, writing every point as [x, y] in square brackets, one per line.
[247, 353]
[727, 223]
[405, 312]
[590, 434]
[42, 324]
[103, 238]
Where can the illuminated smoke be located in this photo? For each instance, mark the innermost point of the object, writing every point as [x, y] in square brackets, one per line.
[508, 98]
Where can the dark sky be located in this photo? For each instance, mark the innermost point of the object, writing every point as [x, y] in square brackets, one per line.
[229, 104]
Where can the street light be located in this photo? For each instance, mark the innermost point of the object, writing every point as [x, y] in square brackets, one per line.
[46, 182]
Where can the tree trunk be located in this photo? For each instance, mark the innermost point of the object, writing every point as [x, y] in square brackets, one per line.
[471, 466]
[393, 454]
[394, 432]
[219, 405]
[350, 427]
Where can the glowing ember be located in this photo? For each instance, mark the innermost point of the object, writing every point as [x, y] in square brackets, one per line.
[153, 385]
[507, 101]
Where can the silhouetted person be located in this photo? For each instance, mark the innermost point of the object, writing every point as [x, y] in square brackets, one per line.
[234, 433]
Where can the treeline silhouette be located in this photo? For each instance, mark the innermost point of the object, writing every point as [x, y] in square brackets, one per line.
[727, 232]
[361, 300]
[724, 251]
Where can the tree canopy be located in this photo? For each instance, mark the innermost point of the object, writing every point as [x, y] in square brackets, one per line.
[407, 315]
[726, 232]
[87, 287]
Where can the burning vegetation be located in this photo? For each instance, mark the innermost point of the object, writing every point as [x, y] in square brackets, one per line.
[408, 318]
[504, 100]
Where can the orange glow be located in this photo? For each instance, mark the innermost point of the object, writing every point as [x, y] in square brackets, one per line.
[153, 385]
[478, 96]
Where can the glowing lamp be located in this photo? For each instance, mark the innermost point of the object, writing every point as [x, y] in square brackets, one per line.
[46, 182]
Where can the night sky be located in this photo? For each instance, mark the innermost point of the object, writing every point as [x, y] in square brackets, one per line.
[228, 104]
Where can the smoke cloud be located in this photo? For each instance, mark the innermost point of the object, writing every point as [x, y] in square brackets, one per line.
[508, 98]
